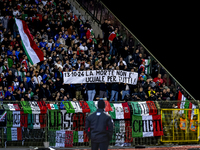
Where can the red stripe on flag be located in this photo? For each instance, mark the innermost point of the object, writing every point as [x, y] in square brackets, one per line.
[19, 134]
[190, 111]
[107, 106]
[42, 106]
[23, 119]
[48, 106]
[126, 108]
[32, 42]
[68, 138]
[157, 125]
[16, 106]
[152, 107]
[179, 99]
[84, 106]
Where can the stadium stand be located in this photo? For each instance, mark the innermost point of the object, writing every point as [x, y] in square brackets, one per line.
[61, 31]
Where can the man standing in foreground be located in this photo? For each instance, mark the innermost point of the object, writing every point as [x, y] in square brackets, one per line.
[99, 128]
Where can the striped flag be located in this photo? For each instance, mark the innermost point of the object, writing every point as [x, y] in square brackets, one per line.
[52, 106]
[32, 51]
[183, 103]
[14, 134]
[147, 69]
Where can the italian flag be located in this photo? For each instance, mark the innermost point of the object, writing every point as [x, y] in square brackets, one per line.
[34, 107]
[120, 111]
[32, 51]
[80, 137]
[52, 106]
[93, 105]
[183, 103]
[144, 108]
[72, 107]
[11, 107]
[13, 119]
[14, 134]
[147, 69]
[147, 126]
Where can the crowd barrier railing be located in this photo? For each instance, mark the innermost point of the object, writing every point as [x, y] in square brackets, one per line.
[60, 126]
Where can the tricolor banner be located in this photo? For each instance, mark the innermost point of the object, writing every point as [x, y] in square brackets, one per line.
[32, 51]
[147, 126]
[14, 134]
[144, 108]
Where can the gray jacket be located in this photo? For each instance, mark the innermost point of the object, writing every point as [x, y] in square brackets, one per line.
[5, 22]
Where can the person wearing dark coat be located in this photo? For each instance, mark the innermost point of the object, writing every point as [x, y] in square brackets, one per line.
[31, 84]
[99, 128]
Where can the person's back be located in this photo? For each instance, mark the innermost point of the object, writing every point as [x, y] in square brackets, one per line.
[99, 128]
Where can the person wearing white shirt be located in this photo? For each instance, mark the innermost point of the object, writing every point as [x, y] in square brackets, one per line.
[37, 78]
[84, 48]
[16, 12]
[121, 59]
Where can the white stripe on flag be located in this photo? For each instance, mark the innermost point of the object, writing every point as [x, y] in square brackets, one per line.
[148, 126]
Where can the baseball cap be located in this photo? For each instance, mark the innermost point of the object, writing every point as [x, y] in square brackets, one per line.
[62, 89]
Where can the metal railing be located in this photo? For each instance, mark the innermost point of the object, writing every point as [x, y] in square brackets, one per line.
[38, 128]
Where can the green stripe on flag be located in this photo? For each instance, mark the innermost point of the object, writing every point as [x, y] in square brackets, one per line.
[91, 106]
[75, 136]
[136, 108]
[29, 58]
[137, 128]
[147, 69]
[9, 119]
[69, 107]
[186, 106]
[26, 107]
[54, 117]
[112, 113]
[9, 134]
[5, 106]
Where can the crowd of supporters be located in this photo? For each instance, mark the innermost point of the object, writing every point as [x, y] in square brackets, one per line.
[69, 44]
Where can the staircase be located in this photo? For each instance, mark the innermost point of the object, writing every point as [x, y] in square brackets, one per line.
[78, 10]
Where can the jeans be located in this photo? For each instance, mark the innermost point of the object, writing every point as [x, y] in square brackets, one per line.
[111, 48]
[124, 94]
[91, 94]
[114, 94]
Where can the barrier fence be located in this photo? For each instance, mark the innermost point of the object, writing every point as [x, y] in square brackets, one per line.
[63, 124]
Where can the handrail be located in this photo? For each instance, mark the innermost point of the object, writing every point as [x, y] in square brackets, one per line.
[147, 50]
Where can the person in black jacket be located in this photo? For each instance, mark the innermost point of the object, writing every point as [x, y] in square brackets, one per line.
[99, 128]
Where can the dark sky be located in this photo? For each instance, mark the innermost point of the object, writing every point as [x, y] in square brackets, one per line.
[170, 31]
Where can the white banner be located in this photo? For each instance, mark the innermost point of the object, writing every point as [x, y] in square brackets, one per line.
[100, 76]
